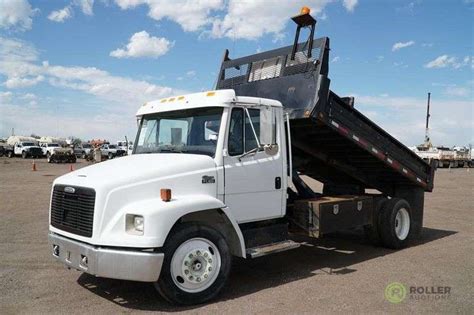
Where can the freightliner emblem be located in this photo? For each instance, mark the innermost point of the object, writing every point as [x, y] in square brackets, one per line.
[70, 190]
[208, 179]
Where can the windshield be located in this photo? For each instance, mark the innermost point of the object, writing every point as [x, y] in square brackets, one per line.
[112, 146]
[28, 144]
[185, 131]
[53, 145]
[85, 145]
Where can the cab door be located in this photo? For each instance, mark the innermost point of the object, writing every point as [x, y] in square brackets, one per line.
[253, 178]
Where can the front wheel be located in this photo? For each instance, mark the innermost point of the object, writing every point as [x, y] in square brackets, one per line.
[24, 154]
[196, 265]
[111, 156]
[10, 154]
[395, 223]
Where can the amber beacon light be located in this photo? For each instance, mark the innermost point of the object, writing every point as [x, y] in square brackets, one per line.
[305, 10]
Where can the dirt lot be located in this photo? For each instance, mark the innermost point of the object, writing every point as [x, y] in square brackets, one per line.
[337, 274]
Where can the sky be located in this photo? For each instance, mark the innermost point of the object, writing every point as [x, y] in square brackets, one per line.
[83, 67]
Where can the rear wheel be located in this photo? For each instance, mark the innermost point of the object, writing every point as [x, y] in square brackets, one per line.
[196, 265]
[10, 154]
[83, 155]
[49, 158]
[111, 156]
[395, 223]
[372, 232]
[24, 154]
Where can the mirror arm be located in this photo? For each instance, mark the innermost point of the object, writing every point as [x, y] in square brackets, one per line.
[253, 151]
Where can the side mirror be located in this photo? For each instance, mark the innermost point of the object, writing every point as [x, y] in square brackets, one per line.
[271, 149]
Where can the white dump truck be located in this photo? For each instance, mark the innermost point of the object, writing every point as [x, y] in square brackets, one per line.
[217, 174]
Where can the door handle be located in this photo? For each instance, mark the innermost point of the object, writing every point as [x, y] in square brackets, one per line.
[277, 182]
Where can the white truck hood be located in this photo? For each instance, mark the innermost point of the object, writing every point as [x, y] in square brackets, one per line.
[132, 184]
[136, 168]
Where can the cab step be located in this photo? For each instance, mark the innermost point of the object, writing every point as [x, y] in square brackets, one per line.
[271, 248]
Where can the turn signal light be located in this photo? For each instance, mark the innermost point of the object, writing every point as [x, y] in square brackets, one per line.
[305, 10]
[165, 194]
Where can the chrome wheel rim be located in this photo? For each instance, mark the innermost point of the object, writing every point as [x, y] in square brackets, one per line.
[402, 224]
[195, 265]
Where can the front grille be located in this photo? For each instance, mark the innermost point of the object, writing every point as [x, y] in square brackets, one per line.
[73, 211]
[35, 151]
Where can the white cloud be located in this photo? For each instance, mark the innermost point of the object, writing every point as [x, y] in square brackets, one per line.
[16, 14]
[336, 59]
[141, 44]
[191, 15]
[253, 19]
[457, 91]
[28, 96]
[241, 19]
[60, 15]
[86, 6]
[191, 73]
[445, 61]
[5, 97]
[350, 5]
[450, 124]
[22, 82]
[400, 45]
[22, 69]
[114, 97]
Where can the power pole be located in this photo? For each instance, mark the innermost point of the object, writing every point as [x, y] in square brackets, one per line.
[427, 137]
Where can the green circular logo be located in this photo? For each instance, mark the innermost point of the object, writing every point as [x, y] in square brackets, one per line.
[395, 292]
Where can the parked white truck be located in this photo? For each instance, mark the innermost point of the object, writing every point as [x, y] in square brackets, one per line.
[26, 149]
[218, 174]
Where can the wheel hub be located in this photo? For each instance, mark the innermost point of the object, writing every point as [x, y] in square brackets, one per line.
[195, 265]
[402, 224]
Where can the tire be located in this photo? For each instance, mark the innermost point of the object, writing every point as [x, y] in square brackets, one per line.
[180, 285]
[110, 156]
[49, 159]
[395, 225]
[83, 155]
[48, 154]
[24, 154]
[10, 154]
[372, 231]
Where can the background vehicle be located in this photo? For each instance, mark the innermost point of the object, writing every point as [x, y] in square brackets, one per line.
[111, 151]
[83, 150]
[26, 149]
[61, 155]
[48, 148]
[462, 156]
[228, 166]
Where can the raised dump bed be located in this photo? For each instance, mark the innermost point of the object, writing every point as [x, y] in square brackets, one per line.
[331, 140]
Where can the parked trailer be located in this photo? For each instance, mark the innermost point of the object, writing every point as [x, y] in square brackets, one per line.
[218, 174]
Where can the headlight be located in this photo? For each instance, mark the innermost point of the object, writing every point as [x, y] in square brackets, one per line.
[134, 224]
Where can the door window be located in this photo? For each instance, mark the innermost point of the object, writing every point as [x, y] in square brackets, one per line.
[236, 132]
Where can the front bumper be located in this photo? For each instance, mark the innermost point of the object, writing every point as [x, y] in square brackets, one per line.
[106, 262]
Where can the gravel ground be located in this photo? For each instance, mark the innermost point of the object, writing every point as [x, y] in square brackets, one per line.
[337, 274]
